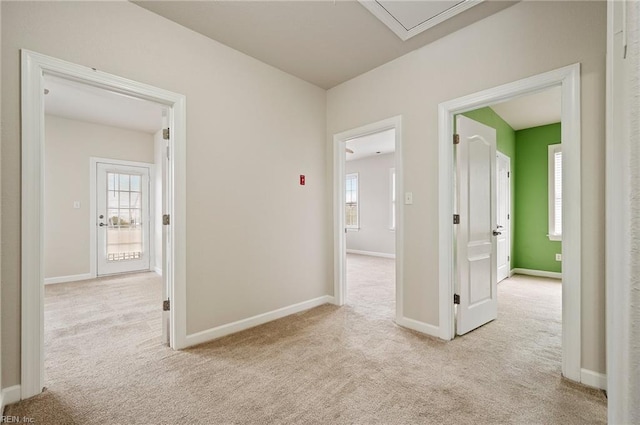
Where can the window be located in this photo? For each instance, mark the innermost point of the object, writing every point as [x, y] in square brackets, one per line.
[351, 206]
[555, 192]
[392, 182]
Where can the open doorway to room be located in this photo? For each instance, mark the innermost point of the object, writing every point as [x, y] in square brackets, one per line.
[552, 194]
[78, 122]
[368, 219]
[527, 228]
[104, 166]
[370, 222]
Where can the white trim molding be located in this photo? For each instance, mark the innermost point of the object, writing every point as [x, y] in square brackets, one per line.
[251, 322]
[33, 68]
[593, 379]
[568, 78]
[537, 273]
[394, 25]
[418, 326]
[371, 253]
[9, 396]
[339, 241]
[65, 279]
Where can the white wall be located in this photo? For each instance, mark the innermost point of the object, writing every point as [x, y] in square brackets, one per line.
[523, 40]
[69, 145]
[251, 131]
[374, 234]
[160, 159]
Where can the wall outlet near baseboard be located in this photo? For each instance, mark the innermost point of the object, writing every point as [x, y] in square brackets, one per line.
[558, 257]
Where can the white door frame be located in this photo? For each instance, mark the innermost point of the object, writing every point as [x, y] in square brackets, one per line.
[568, 78]
[34, 67]
[339, 247]
[509, 197]
[93, 223]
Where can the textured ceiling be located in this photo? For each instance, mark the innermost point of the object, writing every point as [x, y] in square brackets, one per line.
[322, 42]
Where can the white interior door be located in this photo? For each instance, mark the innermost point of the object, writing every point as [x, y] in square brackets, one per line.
[475, 239]
[122, 206]
[503, 212]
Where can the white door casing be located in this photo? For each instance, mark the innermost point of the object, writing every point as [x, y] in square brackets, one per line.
[503, 215]
[568, 78]
[33, 68]
[475, 239]
[124, 218]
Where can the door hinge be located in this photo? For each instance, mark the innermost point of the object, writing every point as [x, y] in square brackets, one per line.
[166, 305]
[456, 139]
[508, 216]
[165, 133]
[456, 219]
[166, 219]
[508, 258]
[456, 299]
[508, 174]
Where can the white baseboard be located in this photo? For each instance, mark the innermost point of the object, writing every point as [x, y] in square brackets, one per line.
[421, 327]
[9, 396]
[158, 270]
[593, 379]
[371, 253]
[538, 273]
[64, 279]
[241, 325]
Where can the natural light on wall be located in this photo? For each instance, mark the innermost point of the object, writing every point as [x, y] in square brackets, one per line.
[555, 192]
[351, 205]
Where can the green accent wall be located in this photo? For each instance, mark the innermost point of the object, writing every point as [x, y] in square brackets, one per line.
[533, 249]
[505, 143]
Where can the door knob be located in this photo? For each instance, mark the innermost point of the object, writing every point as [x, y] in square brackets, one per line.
[496, 233]
[102, 224]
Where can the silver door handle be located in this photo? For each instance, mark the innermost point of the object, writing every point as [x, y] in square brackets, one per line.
[101, 224]
[496, 233]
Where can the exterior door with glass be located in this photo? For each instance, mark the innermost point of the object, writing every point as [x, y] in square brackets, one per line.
[123, 221]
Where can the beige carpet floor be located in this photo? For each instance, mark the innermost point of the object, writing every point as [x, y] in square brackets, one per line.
[351, 365]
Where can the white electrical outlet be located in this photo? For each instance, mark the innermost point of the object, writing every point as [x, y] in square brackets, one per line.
[558, 257]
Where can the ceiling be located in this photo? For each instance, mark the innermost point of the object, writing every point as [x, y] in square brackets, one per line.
[322, 42]
[372, 144]
[69, 99]
[533, 110]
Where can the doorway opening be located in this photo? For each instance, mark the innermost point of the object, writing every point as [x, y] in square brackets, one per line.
[370, 222]
[368, 219]
[74, 170]
[483, 280]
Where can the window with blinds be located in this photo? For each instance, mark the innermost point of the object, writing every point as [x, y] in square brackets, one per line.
[351, 201]
[555, 192]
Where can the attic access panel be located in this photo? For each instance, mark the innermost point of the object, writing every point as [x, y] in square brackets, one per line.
[409, 18]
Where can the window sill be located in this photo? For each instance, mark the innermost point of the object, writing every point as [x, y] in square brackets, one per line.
[353, 229]
[554, 237]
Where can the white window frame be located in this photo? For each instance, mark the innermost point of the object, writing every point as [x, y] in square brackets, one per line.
[392, 197]
[553, 150]
[352, 227]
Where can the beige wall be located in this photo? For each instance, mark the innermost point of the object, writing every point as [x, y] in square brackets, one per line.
[523, 40]
[374, 188]
[69, 145]
[251, 130]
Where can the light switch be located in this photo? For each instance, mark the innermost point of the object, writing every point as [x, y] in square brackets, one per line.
[408, 198]
[76, 204]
